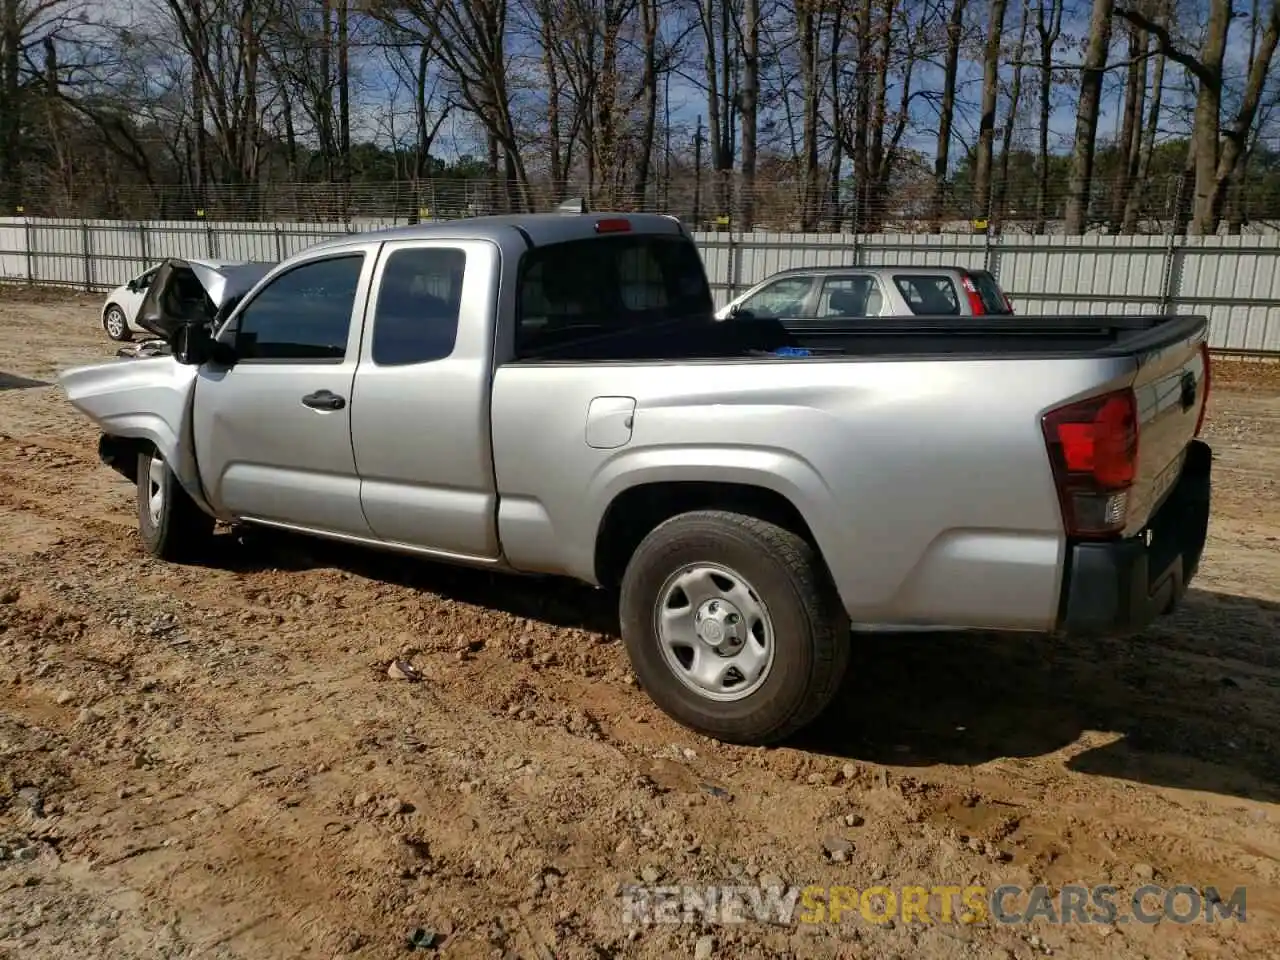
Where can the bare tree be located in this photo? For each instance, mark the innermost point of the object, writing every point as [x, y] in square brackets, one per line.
[1215, 165]
[947, 110]
[1048, 31]
[990, 101]
[1080, 184]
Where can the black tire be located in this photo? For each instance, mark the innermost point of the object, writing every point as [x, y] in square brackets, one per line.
[113, 319]
[181, 531]
[811, 636]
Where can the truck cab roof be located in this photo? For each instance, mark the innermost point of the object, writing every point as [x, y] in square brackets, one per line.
[537, 229]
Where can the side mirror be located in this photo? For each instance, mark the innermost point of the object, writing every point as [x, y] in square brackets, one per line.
[132, 286]
[193, 344]
[739, 313]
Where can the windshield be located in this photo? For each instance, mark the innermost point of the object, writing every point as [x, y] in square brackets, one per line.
[604, 285]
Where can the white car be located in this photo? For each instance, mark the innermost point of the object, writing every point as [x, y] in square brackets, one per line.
[120, 310]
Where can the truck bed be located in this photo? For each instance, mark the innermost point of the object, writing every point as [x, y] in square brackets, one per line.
[918, 338]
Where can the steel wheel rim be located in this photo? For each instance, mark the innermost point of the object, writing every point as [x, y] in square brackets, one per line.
[115, 322]
[714, 631]
[155, 490]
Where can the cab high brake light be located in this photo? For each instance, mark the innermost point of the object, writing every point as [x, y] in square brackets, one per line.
[613, 225]
[1093, 448]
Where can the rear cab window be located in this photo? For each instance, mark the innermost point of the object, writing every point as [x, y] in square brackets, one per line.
[415, 317]
[929, 294]
[601, 285]
[993, 299]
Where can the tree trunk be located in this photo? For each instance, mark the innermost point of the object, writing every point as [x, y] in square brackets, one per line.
[1080, 183]
[807, 28]
[748, 102]
[1133, 201]
[11, 178]
[1049, 29]
[1208, 119]
[1236, 136]
[990, 101]
[1129, 147]
[1015, 97]
[649, 95]
[946, 115]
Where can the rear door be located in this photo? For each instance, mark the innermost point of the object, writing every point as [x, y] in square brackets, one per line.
[420, 407]
[130, 301]
[849, 296]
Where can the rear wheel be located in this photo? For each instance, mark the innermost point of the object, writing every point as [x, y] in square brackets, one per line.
[172, 527]
[114, 322]
[733, 627]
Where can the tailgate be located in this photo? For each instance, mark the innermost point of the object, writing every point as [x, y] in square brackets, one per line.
[1171, 388]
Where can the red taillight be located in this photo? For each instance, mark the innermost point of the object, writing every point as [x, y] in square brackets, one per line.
[1204, 403]
[1008, 302]
[1093, 447]
[975, 298]
[617, 225]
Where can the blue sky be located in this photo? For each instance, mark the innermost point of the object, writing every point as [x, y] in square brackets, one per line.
[688, 101]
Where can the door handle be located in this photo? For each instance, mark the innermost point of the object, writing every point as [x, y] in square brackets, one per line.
[324, 400]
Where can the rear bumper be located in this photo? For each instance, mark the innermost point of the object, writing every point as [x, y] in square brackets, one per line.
[1118, 587]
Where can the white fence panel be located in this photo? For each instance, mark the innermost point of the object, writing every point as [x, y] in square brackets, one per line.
[1233, 280]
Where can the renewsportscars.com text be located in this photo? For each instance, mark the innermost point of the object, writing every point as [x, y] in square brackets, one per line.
[942, 904]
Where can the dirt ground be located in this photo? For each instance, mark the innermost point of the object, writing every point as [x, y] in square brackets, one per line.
[212, 761]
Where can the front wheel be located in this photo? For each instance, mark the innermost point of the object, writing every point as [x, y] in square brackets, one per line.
[114, 322]
[172, 527]
[733, 627]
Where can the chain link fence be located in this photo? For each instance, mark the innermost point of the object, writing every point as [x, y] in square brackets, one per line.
[707, 202]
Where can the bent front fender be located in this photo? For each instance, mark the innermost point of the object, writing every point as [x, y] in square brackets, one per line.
[141, 402]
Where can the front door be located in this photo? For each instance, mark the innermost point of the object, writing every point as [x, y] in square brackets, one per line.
[786, 298]
[273, 431]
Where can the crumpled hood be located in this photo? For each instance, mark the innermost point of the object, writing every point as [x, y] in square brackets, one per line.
[190, 292]
[223, 283]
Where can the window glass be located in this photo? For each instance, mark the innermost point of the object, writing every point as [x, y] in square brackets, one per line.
[849, 298]
[992, 296]
[419, 298]
[929, 296]
[304, 314]
[640, 275]
[587, 288]
[780, 299]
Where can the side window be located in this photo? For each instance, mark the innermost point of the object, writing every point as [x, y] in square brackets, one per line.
[929, 296]
[845, 298]
[993, 301]
[782, 298]
[419, 298]
[304, 314]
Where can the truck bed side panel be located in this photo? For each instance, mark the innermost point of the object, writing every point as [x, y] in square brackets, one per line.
[926, 484]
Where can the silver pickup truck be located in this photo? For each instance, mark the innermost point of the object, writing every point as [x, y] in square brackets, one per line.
[550, 394]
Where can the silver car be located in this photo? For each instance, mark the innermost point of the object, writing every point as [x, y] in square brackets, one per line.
[853, 292]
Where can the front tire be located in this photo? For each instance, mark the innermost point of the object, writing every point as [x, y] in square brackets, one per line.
[115, 324]
[172, 527]
[733, 626]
